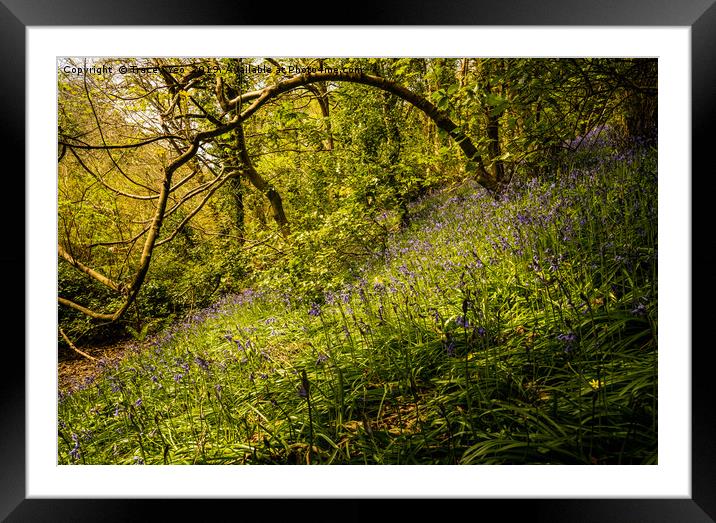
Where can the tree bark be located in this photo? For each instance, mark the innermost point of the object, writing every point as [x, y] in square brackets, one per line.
[493, 134]
[104, 280]
[261, 184]
[237, 191]
[321, 92]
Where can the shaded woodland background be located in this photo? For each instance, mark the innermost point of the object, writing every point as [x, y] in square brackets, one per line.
[303, 191]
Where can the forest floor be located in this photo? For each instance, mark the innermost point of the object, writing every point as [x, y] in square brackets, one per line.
[74, 369]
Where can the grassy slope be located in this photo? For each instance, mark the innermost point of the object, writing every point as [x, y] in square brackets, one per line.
[519, 330]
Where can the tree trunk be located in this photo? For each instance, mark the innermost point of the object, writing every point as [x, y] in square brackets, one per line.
[493, 134]
[237, 192]
[261, 184]
[322, 96]
[394, 146]
[326, 113]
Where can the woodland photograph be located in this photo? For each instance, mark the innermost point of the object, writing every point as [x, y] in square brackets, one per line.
[357, 261]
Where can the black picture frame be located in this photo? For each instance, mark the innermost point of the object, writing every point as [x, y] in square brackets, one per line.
[16, 15]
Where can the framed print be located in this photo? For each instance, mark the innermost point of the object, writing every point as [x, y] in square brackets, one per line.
[647, 468]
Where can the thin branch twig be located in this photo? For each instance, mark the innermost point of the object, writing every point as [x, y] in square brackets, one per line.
[74, 348]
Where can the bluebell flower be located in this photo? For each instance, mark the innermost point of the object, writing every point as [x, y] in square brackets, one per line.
[315, 310]
[301, 391]
[436, 316]
[321, 359]
[463, 322]
[450, 349]
[449, 345]
[639, 310]
[201, 362]
[330, 298]
[114, 385]
[75, 451]
[568, 340]
[535, 264]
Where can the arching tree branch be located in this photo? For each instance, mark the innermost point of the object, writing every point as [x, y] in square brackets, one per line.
[441, 119]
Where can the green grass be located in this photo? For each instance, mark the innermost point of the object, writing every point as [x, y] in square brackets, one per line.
[492, 331]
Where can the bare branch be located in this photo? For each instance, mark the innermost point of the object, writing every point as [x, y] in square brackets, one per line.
[101, 134]
[109, 187]
[104, 280]
[127, 146]
[196, 210]
[74, 348]
[85, 310]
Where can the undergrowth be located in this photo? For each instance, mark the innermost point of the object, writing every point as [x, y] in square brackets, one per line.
[494, 330]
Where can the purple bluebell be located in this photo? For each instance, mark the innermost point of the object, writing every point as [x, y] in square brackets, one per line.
[75, 452]
[315, 310]
[639, 310]
[463, 322]
[201, 362]
[567, 340]
[301, 391]
[450, 348]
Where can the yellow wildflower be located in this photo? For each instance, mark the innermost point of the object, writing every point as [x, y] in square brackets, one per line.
[596, 384]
